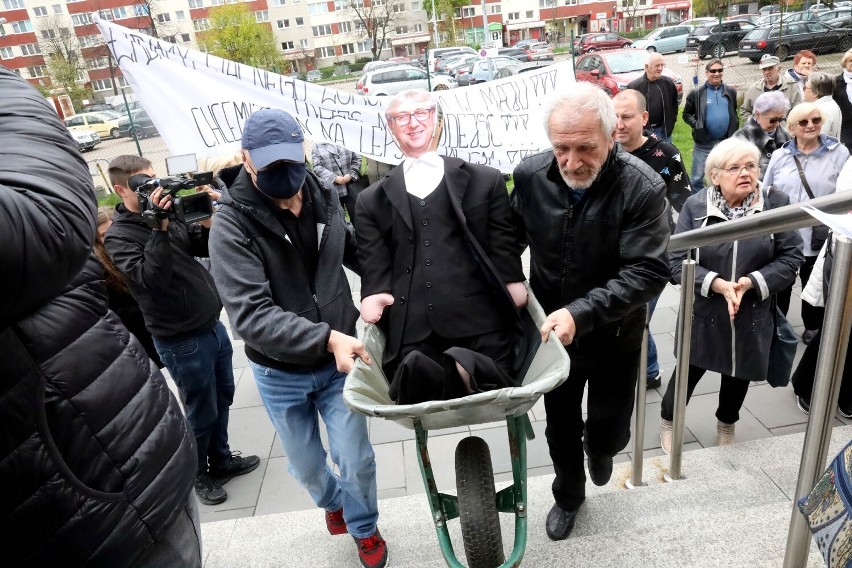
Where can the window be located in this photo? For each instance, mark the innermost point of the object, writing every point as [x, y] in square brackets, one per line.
[81, 75]
[40, 11]
[397, 8]
[122, 82]
[323, 52]
[347, 49]
[468, 12]
[81, 19]
[359, 26]
[30, 49]
[323, 30]
[418, 27]
[261, 16]
[529, 14]
[303, 43]
[57, 8]
[140, 9]
[317, 8]
[300, 21]
[101, 84]
[340, 5]
[494, 9]
[98, 63]
[89, 40]
[105, 14]
[201, 25]
[196, 3]
[37, 71]
[184, 38]
[75, 121]
[363, 46]
[285, 45]
[278, 3]
[119, 13]
[345, 27]
[6, 53]
[282, 24]
[163, 18]
[400, 30]
[416, 6]
[180, 15]
[21, 27]
[514, 15]
[13, 4]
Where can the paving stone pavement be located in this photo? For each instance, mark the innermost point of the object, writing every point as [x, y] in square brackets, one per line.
[270, 489]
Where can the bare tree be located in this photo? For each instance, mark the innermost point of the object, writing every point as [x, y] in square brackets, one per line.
[375, 19]
[630, 9]
[446, 10]
[63, 59]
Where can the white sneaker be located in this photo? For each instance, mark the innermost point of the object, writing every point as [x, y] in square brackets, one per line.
[666, 435]
[724, 434]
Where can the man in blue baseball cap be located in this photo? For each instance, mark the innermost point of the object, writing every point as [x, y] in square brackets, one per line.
[278, 248]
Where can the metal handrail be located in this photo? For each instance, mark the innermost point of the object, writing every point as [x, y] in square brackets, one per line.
[832, 347]
[772, 221]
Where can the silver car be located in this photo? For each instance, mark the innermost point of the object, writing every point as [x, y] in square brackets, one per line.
[664, 40]
[391, 80]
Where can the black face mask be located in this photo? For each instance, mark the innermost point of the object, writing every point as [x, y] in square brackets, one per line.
[282, 181]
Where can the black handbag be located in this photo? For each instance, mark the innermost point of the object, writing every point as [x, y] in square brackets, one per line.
[782, 350]
[819, 233]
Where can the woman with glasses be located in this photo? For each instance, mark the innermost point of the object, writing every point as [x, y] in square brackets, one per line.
[804, 168]
[765, 127]
[818, 89]
[734, 283]
[843, 97]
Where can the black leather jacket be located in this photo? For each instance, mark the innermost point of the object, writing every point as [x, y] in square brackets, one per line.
[603, 257]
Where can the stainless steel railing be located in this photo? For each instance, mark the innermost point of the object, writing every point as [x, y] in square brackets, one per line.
[832, 352]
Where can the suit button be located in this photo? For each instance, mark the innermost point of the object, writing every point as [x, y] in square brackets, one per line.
[422, 203]
[428, 284]
[408, 270]
[431, 307]
[402, 300]
[428, 262]
[425, 222]
[410, 239]
[426, 243]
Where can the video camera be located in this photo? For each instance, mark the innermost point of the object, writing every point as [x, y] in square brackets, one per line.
[186, 208]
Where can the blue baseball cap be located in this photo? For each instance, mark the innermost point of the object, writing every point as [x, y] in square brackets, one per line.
[270, 135]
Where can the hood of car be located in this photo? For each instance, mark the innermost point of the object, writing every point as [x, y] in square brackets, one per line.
[84, 135]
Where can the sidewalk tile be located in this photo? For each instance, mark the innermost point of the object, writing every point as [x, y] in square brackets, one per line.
[250, 431]
[281, 492]
[774, 407]
[246, 394]
[242, 491]
[388, 473]
[213, 516]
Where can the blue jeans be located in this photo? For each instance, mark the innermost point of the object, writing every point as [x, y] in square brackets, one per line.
[699, 158]
[653, 364]
[660, 134]
[202, 369]
[293, 399]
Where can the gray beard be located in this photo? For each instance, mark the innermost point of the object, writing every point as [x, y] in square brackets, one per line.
[578, 184]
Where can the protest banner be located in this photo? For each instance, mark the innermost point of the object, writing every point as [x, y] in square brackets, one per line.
[199, 102]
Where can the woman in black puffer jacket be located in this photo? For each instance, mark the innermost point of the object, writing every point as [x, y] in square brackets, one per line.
[96, 460]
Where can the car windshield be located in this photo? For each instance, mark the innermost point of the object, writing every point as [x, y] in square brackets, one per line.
[653, 34]
[759, 33]
[109, 114]
[626, 62]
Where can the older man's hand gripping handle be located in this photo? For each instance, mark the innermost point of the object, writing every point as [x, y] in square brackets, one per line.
[560, 322]
[345, 349]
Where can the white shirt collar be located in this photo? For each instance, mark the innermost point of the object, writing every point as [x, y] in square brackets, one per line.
[424, 174]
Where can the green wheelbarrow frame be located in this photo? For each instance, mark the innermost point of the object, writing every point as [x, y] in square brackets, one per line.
[366, 392]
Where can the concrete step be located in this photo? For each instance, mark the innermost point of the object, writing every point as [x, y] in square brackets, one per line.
[732, 509]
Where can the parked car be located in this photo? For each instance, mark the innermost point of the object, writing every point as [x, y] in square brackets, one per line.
[787, 39]
[462, 61]
[664, 40]
[522, 44]
[97, 107]
[587, 43]
[143, 126]
[439, 52]
[86, 139]
[614, 70]
[540, 52]
[695, 22]
[314, 75]
[122, 109]
[717, 39]
[771, 9]
[515, 52]
[753, 18]
[788, 17]
[844, 22]
[105, 123]
[832, 14]
[485, 68]
[392, 80]
[518, 68]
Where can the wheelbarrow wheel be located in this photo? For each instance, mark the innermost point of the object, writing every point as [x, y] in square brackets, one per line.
[480, 521]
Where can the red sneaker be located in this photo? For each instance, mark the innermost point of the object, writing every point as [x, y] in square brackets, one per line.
[373, 551]
[334, 522]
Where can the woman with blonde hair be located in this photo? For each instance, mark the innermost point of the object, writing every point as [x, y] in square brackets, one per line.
[119, 298]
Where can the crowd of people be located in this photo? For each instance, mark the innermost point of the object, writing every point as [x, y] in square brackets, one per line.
[101, 464]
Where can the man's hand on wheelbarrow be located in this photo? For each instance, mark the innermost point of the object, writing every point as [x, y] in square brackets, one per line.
[562, 323]
[518, 291]
[345, 349]
[373, 306]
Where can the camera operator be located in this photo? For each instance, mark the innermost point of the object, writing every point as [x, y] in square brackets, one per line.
[181, 308]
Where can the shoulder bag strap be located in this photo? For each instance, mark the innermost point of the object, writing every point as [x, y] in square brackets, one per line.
[803, 178]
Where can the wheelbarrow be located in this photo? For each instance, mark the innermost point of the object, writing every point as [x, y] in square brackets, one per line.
[477, 505]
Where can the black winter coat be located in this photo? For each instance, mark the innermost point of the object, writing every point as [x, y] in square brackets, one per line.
[841, 97]
[669, 94]
[602, 258]
[739, 348]
[95, 455]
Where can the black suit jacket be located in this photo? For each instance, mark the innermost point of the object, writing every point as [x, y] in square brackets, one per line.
[842, 99]
[385, 233]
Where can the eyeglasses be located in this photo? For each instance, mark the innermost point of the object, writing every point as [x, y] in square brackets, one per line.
[815, 121]
[776, 119]
[404, 118]
[715, 71]
[736, 169]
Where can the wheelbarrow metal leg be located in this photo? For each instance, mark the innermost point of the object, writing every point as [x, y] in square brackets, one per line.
[518, 428]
